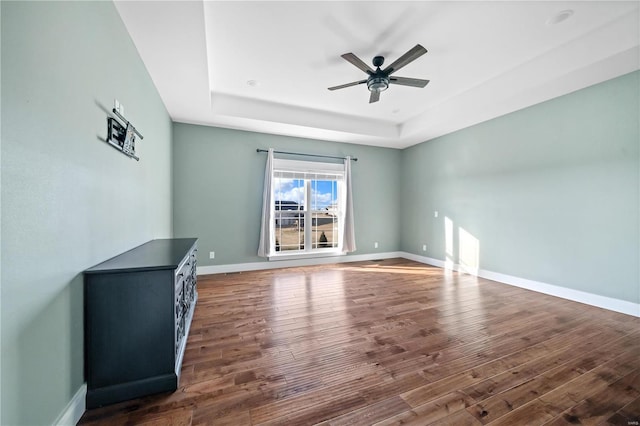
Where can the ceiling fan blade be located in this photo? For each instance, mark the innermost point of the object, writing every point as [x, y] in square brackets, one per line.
[413, 54]
[404, 81]
[358, 62]
[375, 97]
[342, 86]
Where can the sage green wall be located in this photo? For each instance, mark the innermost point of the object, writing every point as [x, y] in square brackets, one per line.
[550, 192]
[218, 190]
[69, 200]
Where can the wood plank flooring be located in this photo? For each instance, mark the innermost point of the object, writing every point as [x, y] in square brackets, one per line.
[393, 342]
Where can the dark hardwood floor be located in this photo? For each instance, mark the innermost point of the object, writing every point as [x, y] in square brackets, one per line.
[393, 342]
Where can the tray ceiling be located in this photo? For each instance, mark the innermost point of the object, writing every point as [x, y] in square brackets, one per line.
[266, 66]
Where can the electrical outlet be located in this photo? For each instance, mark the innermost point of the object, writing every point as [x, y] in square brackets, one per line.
[424, 247]
[375, 245]
[212, 255]
[435, 213]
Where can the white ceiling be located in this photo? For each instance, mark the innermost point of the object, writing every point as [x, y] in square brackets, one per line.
[485, 59]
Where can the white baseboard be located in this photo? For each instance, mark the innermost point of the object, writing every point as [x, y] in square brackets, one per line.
[596, 300]
[609, 303]
[427, 260]
[74, 410]
[256, 266]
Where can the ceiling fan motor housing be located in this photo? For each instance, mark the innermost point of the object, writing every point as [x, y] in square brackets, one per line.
[379, 80]
[378, 61]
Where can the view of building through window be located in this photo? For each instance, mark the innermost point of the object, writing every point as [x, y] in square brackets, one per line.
[306, 212]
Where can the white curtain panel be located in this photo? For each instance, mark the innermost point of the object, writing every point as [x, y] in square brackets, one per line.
[348, 233]
[267, 233]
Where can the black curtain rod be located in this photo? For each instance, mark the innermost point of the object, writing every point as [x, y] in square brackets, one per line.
[306, 155]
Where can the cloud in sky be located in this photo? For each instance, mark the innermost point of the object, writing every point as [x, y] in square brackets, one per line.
[321, 199]
[289, 190]
[293, 190]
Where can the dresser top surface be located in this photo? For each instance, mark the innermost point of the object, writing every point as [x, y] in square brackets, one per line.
[155, 254]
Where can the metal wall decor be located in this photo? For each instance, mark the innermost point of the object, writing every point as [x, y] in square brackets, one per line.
[122, 136]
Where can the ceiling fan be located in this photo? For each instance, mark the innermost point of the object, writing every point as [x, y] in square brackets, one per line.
[379, 80]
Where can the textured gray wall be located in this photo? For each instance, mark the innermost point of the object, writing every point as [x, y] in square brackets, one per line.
[549, 193]
[69, 200]
[218, 190]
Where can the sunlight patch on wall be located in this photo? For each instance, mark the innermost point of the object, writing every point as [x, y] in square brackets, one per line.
[468, 252]
[449, 261]
[468, 249]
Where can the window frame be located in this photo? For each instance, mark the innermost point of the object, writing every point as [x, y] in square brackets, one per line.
[308, 171]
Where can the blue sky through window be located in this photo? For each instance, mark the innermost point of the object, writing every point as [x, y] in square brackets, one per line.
[324, 193]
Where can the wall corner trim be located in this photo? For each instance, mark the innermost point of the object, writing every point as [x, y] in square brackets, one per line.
[604, 302]
[74, 410]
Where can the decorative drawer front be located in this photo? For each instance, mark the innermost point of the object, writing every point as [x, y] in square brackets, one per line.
[179, 296]
[180, 331]
[194, 262]
[193, 281]
[189, 290]
[185, 296]
[187, 268]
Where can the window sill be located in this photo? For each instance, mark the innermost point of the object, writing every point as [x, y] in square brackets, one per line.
[290, 256]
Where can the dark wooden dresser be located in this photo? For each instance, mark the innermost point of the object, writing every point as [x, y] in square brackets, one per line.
[138, 308]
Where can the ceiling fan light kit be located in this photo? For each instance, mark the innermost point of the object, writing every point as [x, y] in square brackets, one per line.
[380, 79]
[378, 84]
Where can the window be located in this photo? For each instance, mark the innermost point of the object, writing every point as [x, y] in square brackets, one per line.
[308, 199]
